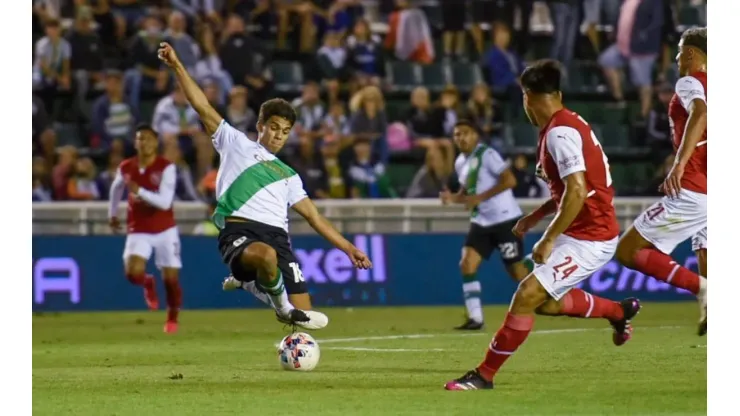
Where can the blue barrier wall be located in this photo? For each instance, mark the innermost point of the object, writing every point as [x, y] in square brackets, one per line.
[85, 273]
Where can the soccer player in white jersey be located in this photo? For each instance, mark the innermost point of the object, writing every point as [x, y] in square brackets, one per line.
[486, 184]
[254, 190]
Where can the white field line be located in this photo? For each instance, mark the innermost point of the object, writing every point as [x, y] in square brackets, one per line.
[363, 349]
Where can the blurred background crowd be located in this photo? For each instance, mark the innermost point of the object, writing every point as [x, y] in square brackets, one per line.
[377, 85]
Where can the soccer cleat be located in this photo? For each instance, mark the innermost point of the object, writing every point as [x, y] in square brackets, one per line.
[170, 327]
[623, 328]
[472, 380]
[230, 283]
[702, 298]
[304, 319]
[470, 325]
[150, 293]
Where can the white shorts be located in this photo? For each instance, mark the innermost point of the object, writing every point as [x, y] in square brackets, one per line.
[670, 221]
[166, 246]
[699, 240]
[571, 262]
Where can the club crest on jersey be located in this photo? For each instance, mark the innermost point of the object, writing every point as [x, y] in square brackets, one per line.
[156, 178]
[474, 163]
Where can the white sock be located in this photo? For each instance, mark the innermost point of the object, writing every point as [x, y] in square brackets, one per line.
[278, 295]
[702, 286]
[251, 287]
[471, 292]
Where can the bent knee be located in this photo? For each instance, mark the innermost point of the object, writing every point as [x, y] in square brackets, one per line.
[259, 255]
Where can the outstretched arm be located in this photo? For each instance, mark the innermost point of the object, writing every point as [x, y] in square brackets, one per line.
[208, 115]
[163, 197]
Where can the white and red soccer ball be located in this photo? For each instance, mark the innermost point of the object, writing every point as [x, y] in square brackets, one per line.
[299, 352]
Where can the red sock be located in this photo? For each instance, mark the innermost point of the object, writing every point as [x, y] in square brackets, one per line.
[580, 304]
[662, 267]
[508, 338]
[136, 279]
[174, 298]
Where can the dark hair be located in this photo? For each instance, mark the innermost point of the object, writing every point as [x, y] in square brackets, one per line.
[145, 128]
[542, 77]
[696, 37]
[276, 107]
[52, 23]
[468, 123]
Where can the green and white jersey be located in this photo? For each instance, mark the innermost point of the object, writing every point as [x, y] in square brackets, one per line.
[478, 172]
[252, 183]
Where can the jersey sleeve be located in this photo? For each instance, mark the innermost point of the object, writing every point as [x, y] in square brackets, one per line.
[296, 193]
[493, 161]
[459, 162]
[689, 89]
[225, 136]
[162, 198]
[566, 147]
[116, 193]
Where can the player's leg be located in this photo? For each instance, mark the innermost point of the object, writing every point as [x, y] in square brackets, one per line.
[168, 260]
[136, 254]
[699, 245]
[469, 263]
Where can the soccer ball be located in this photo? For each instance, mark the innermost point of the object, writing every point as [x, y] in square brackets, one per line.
[299, 352]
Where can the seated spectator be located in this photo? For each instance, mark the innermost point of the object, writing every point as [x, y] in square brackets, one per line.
[51, 65]
[336, 126]
[184, 187]
[365, 55]
[239, 115]
[337, 183]
[62, 172]
[659, 126]
[245, 60]
[369, 121]
[106, 177]
[310, 111]
[431, 178]
[565, 30]
[297, 14]
[114, 116]
[309, 165]
[42, 135]
[639, 32]
[453, 29]
[425, 124]
[209, 69]
[87, 53]
[207, 185]
[41, 191]
[212, 91]
[186, 47]
[128, 14]
[178, 125]
[367, 173]
[505, 66]
[81, 185]
[148, 73]
[482, 109]
[452, 109]
[528, 185]
[332, 60]
[341, 14]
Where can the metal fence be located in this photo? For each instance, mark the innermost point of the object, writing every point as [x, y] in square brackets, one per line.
[386, 216]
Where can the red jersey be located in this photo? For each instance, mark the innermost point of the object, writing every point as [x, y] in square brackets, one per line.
[568, 145]
[149, 212]
[688, 89]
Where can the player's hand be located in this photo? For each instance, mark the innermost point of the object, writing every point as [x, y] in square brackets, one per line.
[133, 187]
[542, 250]
[445, 196]
[114, 224]
[472, 201]
[524, 224]
[359, 259]
[167, 55]
[672, 184]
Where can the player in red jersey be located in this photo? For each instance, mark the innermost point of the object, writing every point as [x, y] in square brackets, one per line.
[580, 239]
[151, 181]
[682, 213]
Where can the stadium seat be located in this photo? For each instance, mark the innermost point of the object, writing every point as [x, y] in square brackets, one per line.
[68, 134]
[394, 110]
[401, 175]
[404, 76]
[288, 76]
[688, 16]
[525, 135]
[466, 75]
[435, 76]
[146, 109]
[614, 135]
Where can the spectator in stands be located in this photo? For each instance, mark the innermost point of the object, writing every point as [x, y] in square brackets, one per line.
[365, 55]
[528, 185]
[41, 192]
[638, 44]
[209, 68]
[113, 115]
[128, 14]
[490, 12]
[669, 40]
[52, 72]
[311, 112]
[701, 8]
[336, 125]
[260, 13]
[593, 11]
[213, 94]
[332, 61]
[148, 74]
[81, 185]
[425, 124]
[178, 125]
[43, 136]
[106, 177]
[186, 47]
[658, 126]
[62, 172]
[337, 184]
[239, 115]
[298, 14]
[431, 178]
[483, 111]
[244, 59]
[369, 121]
[452, 109]
[184, 187]
[107, 26]
[307, 161]
[87, 54]
[565, 22]
[368, 174]
[504, 66]
[207, 186]
[341, 14]
[661, 171]
[453, 29]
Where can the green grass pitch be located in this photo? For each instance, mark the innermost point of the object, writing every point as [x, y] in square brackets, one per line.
[375, 361]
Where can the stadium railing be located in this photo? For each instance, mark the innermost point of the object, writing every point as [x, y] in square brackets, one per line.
[380, 216]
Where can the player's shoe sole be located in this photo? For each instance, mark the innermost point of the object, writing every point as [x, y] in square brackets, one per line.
[304, 319]
[472, 380]
[230, 283]
[623, 328]
[470, 325]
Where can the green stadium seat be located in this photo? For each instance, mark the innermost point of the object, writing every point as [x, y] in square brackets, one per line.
[466, 75]
[581, 107]
[620, 176]
[288, 76]
[525, 135]
[435, 76]
[614, 135]
[395, 110]
[404, 75]
[401, 175]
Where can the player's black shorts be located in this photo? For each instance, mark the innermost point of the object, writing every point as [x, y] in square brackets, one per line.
[454, 13]
[499, 237]
[237, 236]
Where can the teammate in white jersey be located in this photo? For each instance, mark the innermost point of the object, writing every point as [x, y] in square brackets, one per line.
[254, 190]
[486, 184]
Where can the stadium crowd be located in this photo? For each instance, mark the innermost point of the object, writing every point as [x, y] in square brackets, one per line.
[377, 86]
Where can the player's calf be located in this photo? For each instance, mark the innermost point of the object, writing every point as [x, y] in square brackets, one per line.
[174, 297]
[135, 268]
